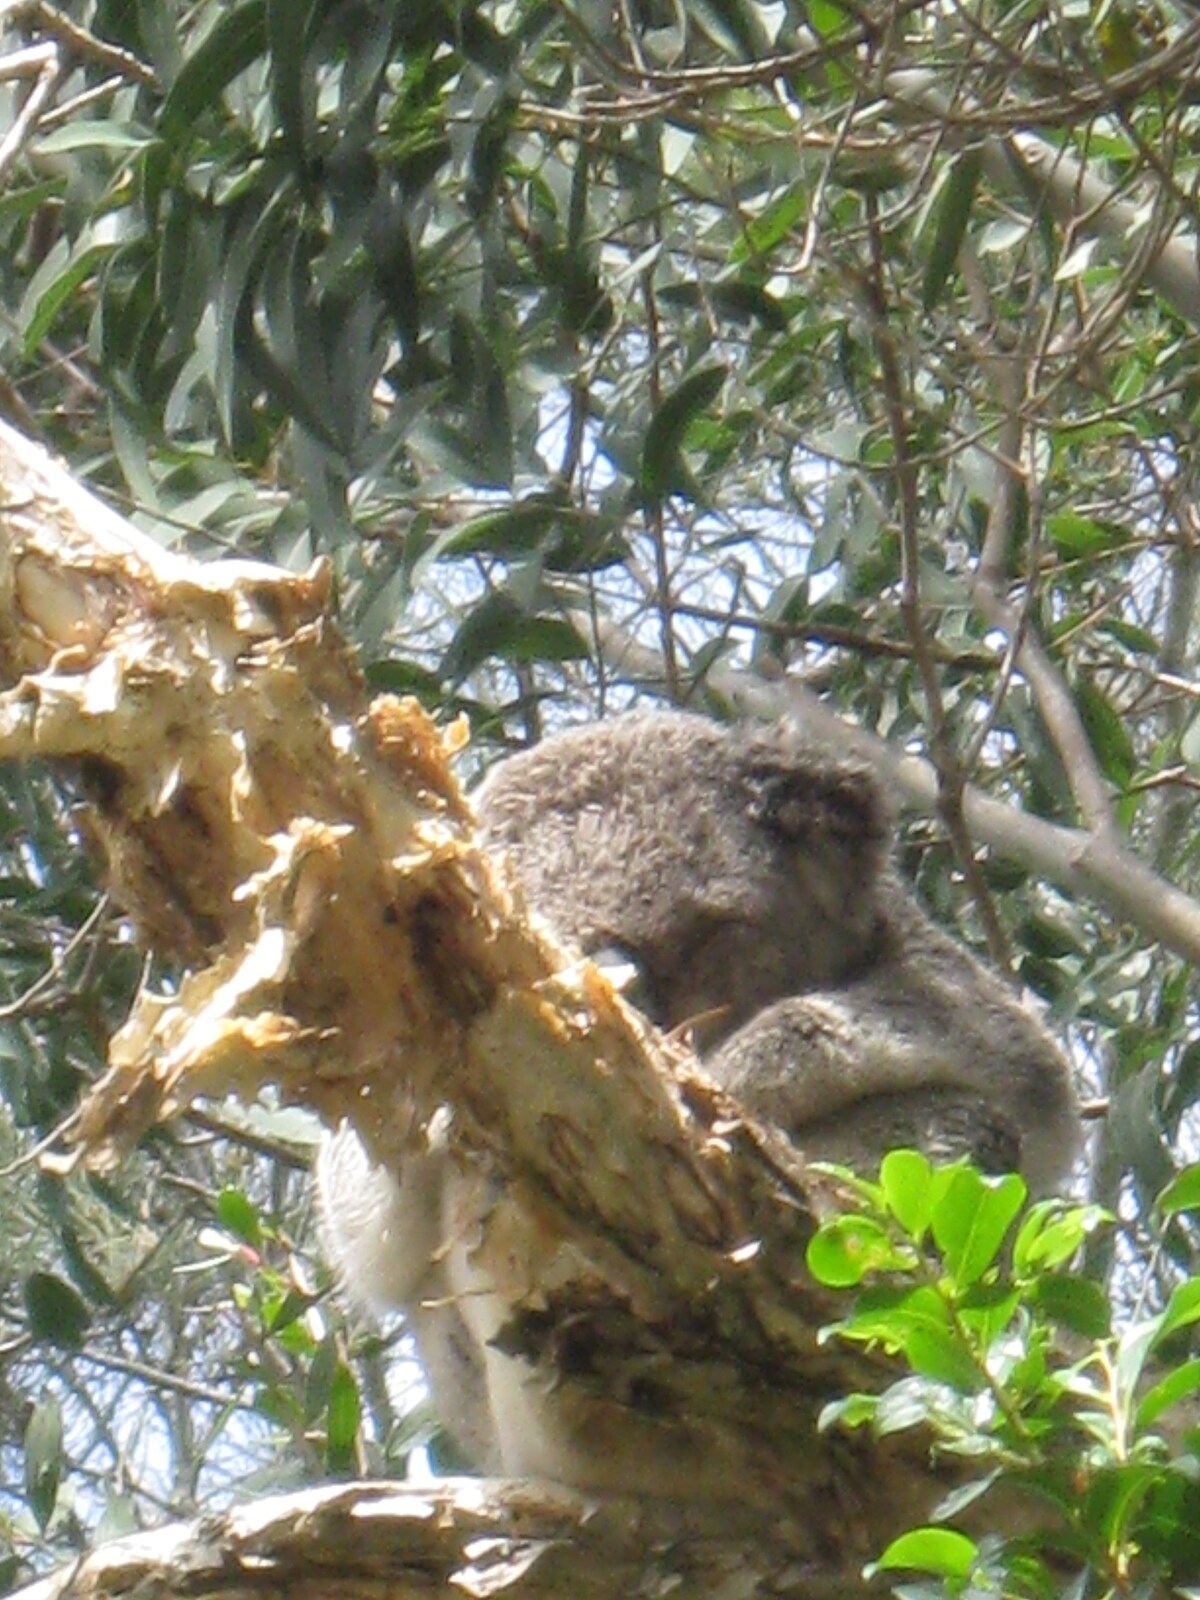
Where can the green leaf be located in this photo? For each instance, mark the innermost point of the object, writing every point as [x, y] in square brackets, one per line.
[1076, 536]
[1107, 733]
[1076, 1303]
[43, 1458]
[498, 628]
[287, 29]
[939, 1550]
[396, 675]
[1182, 1193]
[233, 45]
[827, 19]
[739, 21]
[1176, 1386]
[515, 531]
[844, 1250]
[114, 137]
[662, 469]
[1051, 1233]
[343, 1415]
[237, 1216]
[953, 214]
[55, 1311]
[62, 289]
[1182, 1310]
[942, 1355]
[855, 1411]
[777, 222]
[906, 1178]
[971, 1216]
[890, 1313]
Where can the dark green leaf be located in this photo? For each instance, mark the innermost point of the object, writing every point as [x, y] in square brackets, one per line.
[287, 23]
[514, 531]
[953, 214]
[1076, 1303]
[55, 1311]
[498, 628]
[1107, 733]
[662, 464]
[238, 39]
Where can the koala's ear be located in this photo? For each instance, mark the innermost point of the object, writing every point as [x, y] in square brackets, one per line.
[808, 798]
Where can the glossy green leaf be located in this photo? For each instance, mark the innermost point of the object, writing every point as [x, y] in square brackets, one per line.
[906, 1178]
[845, 1250]
[971, 1217]
[939, 1550]
[1182, 1193]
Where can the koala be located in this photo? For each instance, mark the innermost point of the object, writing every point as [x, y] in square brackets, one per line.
[746, 875]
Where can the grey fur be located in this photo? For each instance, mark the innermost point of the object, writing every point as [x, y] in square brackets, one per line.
[746, 874]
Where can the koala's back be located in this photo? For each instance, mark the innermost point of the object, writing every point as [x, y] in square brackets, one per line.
[733, 866]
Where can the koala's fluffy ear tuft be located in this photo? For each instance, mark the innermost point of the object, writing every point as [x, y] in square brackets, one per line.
[801, 791]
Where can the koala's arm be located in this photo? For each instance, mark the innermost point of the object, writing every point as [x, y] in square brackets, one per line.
[385, 1235]
[380, 1231]
[926, 1049]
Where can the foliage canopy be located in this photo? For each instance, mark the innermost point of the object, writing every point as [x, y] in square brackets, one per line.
[720, 353]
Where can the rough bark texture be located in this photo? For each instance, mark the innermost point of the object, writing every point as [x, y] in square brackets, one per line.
[307, 858]
[463, 1537]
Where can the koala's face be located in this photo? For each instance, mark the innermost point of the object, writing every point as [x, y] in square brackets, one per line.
[733, 868]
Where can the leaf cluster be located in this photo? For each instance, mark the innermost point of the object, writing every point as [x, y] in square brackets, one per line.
[1018, 1370]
